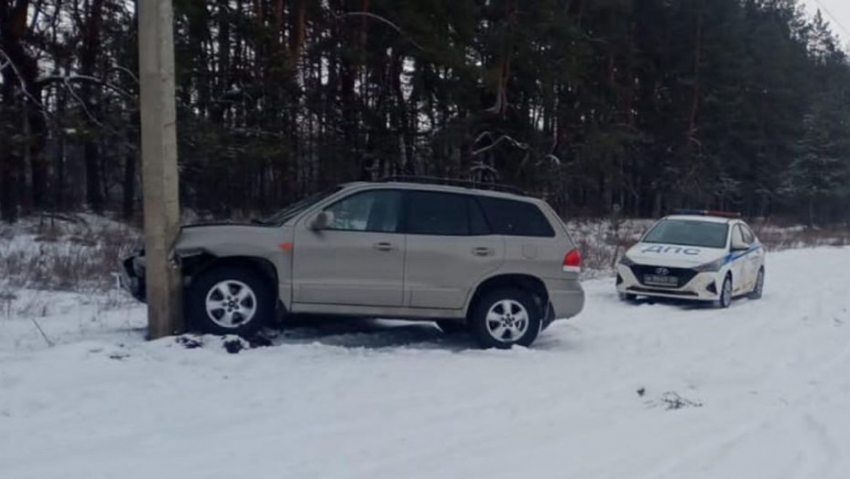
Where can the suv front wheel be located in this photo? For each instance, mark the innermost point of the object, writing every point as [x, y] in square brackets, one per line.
[503, 318]
[230, 300]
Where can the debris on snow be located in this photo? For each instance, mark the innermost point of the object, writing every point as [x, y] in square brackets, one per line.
[189, 341]
[234, 344]
[672, 401]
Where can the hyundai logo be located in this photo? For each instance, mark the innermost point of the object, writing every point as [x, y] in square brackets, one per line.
[662, 271]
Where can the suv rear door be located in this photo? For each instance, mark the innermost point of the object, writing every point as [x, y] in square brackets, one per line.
[450, 248]
[532, 245]
[359, 259]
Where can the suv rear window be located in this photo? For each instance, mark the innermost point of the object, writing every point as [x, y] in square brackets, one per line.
[515, 218]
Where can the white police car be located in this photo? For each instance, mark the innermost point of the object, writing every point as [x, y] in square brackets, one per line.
[699, 255]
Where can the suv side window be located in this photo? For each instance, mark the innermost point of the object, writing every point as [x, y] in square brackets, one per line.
[477, 222]
[373, 211]
[516, 218]
[434, 213]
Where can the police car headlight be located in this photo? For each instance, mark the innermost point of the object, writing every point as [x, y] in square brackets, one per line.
[626, 261]
[712, 267]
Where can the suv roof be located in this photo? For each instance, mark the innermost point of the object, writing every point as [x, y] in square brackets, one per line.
[705, 218]
[449, 184]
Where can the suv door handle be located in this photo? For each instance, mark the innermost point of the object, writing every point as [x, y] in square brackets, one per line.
[482, 251]
[383, 246]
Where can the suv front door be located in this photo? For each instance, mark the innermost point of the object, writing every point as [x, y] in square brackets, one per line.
[449, 249]
[358, 259]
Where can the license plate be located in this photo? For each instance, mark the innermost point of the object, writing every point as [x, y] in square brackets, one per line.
[665, 281]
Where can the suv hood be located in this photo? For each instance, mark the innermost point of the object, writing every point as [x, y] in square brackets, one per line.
[672, 255]
[227, 239]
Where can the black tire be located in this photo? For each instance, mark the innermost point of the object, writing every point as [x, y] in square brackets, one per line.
[452, 326]
[725, 300]
[549, 318]
[523, 328]
[758, 289]
[262, 301]
[628, 297]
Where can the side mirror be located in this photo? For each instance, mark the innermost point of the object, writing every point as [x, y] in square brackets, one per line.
[322, 221]
[738, 245]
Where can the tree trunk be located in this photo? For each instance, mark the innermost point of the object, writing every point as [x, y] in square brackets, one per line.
[17, 83]
[8, 158]
[128, 203]
[88, 59]
[36, 152]
[296, 38]
[695, 92]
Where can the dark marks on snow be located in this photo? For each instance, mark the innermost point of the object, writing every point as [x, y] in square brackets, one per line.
[672, 401]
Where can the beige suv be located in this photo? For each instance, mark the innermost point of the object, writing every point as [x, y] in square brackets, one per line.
[500, 265]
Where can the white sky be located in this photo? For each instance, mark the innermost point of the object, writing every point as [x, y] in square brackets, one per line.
[840, 10]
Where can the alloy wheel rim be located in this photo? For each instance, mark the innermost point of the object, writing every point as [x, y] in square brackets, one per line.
[231, 304]
[507, 321]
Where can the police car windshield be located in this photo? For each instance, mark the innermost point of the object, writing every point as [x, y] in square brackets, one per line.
[688, 233]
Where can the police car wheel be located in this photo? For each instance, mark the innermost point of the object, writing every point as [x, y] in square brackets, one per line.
[758, 289]
[726, 294]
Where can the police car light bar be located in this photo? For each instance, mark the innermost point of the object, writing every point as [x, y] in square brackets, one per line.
[721, 214]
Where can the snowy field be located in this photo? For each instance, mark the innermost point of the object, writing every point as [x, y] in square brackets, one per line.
[625, 391]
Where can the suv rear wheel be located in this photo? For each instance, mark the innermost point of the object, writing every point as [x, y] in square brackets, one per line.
[506, 317]
[230, 300]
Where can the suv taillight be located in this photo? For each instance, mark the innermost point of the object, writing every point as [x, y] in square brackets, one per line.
[572, 261]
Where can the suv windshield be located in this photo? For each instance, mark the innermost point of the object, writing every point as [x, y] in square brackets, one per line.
[294, 209]
[688, 233]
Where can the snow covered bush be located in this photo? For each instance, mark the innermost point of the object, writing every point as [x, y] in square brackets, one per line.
[69, 253]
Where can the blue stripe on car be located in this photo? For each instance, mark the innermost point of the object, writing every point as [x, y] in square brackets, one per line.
[740, 254]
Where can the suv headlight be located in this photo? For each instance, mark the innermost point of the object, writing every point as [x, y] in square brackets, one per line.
[712, 267]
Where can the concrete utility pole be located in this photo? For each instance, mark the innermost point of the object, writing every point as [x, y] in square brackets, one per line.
[159, 166]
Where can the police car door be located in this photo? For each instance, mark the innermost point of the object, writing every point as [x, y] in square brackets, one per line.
[754, 257]
[740, 271]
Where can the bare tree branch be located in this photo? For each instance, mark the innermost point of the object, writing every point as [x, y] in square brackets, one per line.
[81, 102]
[126, 71]
[384, 21]
[67, 79]
[10, 63]
[503, 138]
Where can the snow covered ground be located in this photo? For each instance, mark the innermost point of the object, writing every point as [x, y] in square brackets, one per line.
[624, 391]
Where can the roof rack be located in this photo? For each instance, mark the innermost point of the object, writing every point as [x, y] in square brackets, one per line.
[720, 214]
[433, 180]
